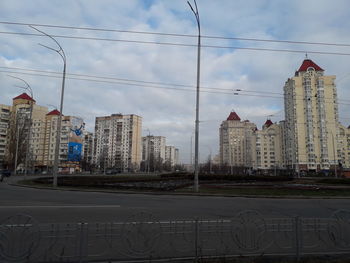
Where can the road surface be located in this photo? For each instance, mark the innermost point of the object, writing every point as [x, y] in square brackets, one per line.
[58, 206]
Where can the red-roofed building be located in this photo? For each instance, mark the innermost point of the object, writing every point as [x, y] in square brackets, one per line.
[311, 112]
[268, 123]
[268, 148]
[22, 99]
[235, 141]
[308, 63]
[54, 112]
[233, 117]
[24, 96]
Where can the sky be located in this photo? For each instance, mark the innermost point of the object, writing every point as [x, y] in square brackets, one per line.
[157, 81]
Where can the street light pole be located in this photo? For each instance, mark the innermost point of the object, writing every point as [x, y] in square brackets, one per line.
[191, 155]
[196, 141]
[148, 151]
[17, 141]
[59, 51]
[335, 160]
[28, 87]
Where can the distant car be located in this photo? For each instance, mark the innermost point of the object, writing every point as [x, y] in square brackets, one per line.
[4, 173]
[113, 171]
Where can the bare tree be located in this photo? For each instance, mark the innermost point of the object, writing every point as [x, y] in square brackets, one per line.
[18, 139]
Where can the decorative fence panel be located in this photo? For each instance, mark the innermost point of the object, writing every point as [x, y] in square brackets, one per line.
[143, 238]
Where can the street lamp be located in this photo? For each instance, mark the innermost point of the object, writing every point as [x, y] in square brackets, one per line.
[27, 87]
[191, 154]
[335, 159]
[196, 14]
[148, 150]
[59, 51]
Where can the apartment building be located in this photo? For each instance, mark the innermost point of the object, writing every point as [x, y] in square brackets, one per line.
[171, 155]
[343, 148]
[88, 149]
[117, 142]
[236, 146]
[71, 141]
[24, 139]
[153, 151]
[5, 117]
[311, 119]
[268, 144]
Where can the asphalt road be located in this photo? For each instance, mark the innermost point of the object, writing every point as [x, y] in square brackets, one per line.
[49, 206]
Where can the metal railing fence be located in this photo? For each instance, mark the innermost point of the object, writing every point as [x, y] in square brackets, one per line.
[143, 238]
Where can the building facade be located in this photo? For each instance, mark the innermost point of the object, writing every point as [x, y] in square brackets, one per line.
[88, 150]
[71, 141]
[236, 146]
[24, 140]
[153, 152]
[344, 146]
[31, 136]
[268, 144]
[117, 142]
[171, 155]
[5, 117]
[311, 119]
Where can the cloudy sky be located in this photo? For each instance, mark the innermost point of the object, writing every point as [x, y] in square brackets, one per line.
[157, 81]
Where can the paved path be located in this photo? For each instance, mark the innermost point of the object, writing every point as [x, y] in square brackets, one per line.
[48, 206]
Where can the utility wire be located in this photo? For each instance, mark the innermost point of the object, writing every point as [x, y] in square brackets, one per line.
[182, 44]
[177, 35]
[162, 84]
[112, 82]
[157, 87]
[104, 77]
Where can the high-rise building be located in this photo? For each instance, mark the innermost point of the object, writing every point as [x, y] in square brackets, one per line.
[344, 146]
[88, 149]
[236, 141]
[5, 117]
[24, 134]
[171, 155]
[117, 142]
[71, 140]
[268, 144]
[31, 136]
[153, 151]
[311, 119]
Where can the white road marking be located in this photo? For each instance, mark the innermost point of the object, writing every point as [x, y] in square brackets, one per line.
[60, 206]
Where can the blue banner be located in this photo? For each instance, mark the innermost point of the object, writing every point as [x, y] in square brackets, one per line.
[74, 151]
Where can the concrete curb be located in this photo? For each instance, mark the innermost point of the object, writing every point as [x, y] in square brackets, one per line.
[174, 193]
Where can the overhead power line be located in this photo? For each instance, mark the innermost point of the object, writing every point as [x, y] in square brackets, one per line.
[161, 84]
[204, 90]
[177, 35]
[182, 44]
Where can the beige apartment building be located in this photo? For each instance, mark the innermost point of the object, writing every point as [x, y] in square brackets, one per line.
[117, 142]
[153, 147]
[171, 155]
[268, 145]
[236, 146]
[153, 152]
[29, 122]
[88, 149]
[311, 119]
[5, 117]
[344, 146]
[72, 129]
[25, 115]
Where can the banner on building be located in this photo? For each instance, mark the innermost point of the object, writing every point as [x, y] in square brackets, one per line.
[75, 139]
